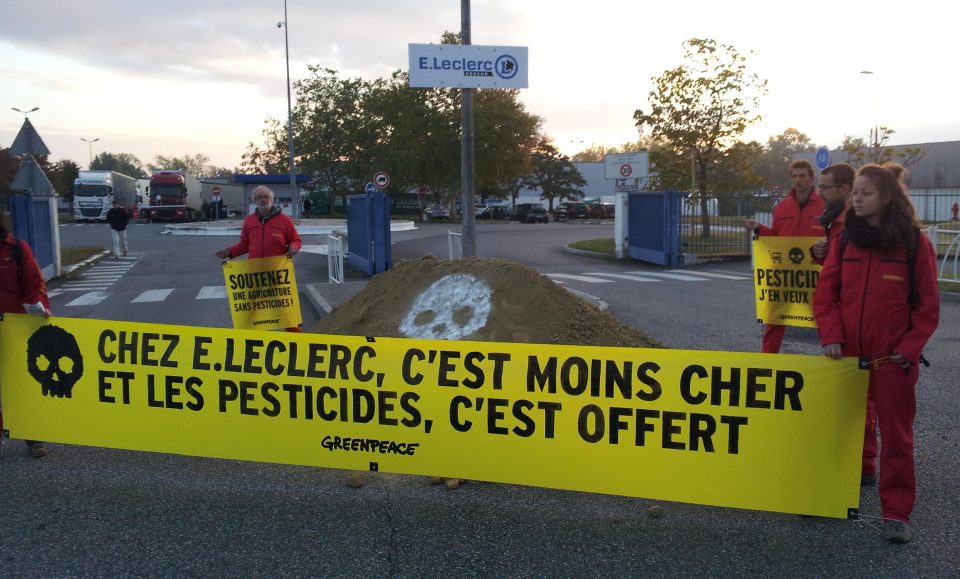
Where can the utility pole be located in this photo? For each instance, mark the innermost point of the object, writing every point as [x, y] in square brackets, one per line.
[469, 234]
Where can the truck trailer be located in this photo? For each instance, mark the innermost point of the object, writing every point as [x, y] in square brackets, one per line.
[174, 196]
[95, 191]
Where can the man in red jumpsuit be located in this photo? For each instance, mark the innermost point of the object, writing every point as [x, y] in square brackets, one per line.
[267, 232]
[796, 216]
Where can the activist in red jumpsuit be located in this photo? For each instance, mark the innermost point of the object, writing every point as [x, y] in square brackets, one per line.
[796, 216]
[22, 290]
[868, 305]
[266, 232]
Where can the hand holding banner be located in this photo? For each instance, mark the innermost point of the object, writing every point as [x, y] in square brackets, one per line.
[262, 293]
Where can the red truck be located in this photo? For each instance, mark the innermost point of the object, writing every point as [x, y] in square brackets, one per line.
[174, 196]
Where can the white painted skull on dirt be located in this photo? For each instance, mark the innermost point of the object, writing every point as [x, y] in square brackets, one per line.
[452, 308]
[54, 360]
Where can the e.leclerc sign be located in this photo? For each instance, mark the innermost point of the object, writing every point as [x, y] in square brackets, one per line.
[469, 66]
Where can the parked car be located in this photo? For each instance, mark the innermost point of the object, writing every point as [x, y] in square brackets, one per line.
[436, 212]
[530, 213]
[572, 210]
[494, 212]
[602, 210]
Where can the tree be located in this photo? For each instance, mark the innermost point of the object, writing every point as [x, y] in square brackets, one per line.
[596, 153]
[194, 164]
[121, 163]
[772, 164]
[554, 174]
[62, 175]
[859, 153]
[700, 108]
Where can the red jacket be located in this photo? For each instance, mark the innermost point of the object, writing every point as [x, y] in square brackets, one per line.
[863, 303]
[834, 231]
[791, 220]
[268, 237]
[29, 288]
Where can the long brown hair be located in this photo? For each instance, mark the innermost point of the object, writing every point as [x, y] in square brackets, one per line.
[899, 219]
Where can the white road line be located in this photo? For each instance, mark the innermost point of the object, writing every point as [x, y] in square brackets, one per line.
[89, 299]
[83, 288]
[212, 292]
[708, 274]
[54, 293]
[156, 295]
[624, 276]
[579, 278]
[744, 275]
[112, 276]
[676, 276]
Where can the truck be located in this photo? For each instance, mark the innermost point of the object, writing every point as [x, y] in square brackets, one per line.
[174, 196]
[95, 191]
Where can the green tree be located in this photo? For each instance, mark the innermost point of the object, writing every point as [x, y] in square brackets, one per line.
[195, 164]
[773, 163]
[62, 174]
[596, 153]
[554, 174]
[859, 152]
[120, 162]
[701, 107]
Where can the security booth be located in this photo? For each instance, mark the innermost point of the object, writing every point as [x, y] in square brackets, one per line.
[284, 197]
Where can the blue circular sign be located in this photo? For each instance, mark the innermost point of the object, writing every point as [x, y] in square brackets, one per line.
[506, 66]
[823, 158]
[370, 188]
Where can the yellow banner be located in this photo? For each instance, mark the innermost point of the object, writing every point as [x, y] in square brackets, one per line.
[262, 293]
[784, 277]
[755, 431]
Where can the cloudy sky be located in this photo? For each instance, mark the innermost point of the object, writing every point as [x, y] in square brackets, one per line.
[201, 76]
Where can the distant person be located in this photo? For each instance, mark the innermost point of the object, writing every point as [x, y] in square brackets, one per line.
[207, 209]
[954, 210]
[118, 217]
[267, 232]
[835, 187]
[307, 204]
[22, 291]
[877, 300]
[795, 216]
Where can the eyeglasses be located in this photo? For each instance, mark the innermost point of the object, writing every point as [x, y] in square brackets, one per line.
[823, 187]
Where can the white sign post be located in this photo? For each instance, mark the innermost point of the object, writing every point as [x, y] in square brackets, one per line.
[630, 171]
[468, 66]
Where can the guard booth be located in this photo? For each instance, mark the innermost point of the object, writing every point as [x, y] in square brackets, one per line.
[653, 225]
[368, 232]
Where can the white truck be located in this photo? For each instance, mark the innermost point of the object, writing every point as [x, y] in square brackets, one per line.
[95, 191]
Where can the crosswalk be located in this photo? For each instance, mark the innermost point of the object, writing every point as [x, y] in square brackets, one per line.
[641, 276]
[95, 297]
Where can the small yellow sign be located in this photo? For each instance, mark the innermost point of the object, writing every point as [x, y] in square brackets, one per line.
[784, 277]
[262, 293]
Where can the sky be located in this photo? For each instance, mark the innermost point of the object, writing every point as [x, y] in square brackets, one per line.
[201, 76]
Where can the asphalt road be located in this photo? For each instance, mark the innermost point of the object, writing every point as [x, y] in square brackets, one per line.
[86, 511]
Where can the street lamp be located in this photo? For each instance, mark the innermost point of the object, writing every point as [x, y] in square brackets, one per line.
[25, 113]
[90, 142]
[875, 137]
[295, 194]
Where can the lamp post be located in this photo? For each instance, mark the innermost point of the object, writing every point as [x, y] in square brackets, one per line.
[875, 132]
[25, 113]
[90, 142]
[294, 192]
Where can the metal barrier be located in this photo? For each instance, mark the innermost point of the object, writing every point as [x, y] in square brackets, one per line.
[952, 248]
[335, 258]
[454, 244]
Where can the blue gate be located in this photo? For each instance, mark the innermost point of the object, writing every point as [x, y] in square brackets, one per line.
[368, 232]
[653, 227]
[34, 218]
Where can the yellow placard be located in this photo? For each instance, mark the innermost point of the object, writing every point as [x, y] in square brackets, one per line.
[262, 293]
[784, 277]
[756, 431]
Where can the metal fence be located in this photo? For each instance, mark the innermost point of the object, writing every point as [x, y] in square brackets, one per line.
[721, 233]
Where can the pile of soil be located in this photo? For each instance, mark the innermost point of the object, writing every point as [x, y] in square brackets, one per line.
[492, 300]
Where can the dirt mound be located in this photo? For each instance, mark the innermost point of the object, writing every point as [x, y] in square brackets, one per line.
[492, 300]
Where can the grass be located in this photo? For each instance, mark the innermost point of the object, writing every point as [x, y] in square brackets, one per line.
[605, 245]
[74, 255]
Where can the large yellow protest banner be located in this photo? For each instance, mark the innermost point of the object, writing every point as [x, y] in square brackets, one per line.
[262, 293]
[756, 431]
[784, 277]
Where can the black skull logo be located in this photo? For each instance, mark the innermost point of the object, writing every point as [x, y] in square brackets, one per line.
[796, 255]
[54, 360]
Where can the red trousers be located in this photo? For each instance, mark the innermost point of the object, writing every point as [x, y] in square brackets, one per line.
[773, 338]
[892, 405]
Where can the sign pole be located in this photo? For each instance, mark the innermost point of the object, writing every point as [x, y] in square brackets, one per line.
[469, 235]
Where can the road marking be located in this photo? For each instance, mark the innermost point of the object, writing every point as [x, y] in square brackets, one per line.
[89, 299]
[708, 274]
[625, 276]
[156, 295]
[669, 275]
[212, 292]
[579, 278]
[743, 275]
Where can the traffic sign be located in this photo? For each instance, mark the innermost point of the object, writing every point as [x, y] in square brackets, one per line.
[625, 170]
[823, 158]
[370, 188]
[381, 179]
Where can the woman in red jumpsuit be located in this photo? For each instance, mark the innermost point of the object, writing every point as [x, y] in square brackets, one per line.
[868, 304]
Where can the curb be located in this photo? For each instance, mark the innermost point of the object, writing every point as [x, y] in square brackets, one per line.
[316, 300]
[72, 268]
